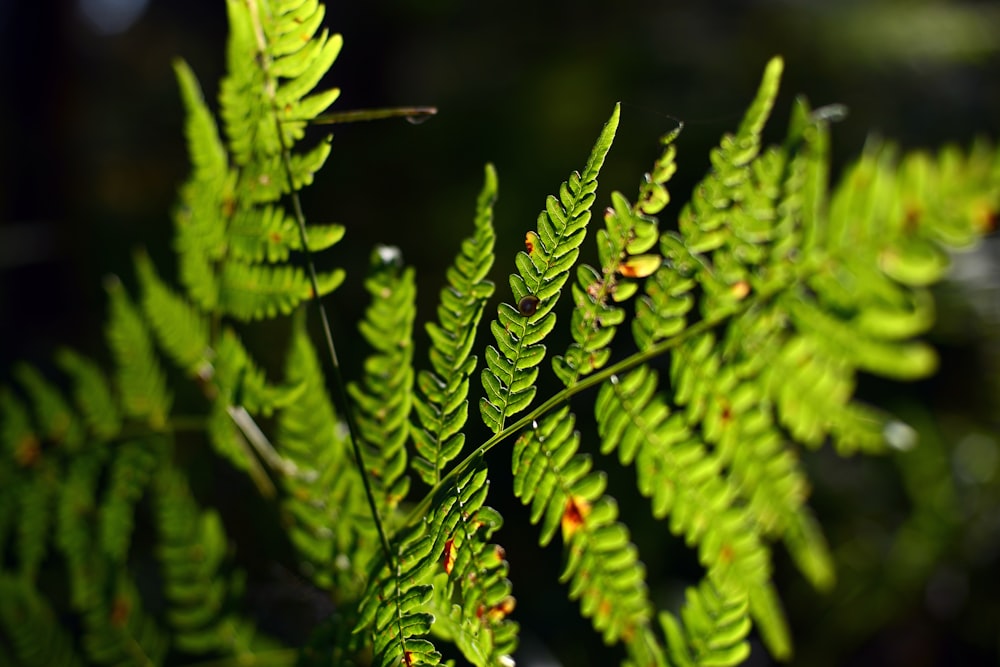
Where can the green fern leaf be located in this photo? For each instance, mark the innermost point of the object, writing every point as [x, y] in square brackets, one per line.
[472, 598]
[722, 208]
[602, 565]
[205, 148]
[227, 223]
[141, 382]
[115, 628]
[260, 102]
[385, 395]
[57, 423]
[442, 403]
[661, 311]
[393, 611]
[330, 521]
[20, 442]
[512, 366]
[76, 528]
[130, 473]
[255, 291]
[192, 548]
[268, 234]
[242, 382]
[92, 393]
[447, 579]
[714, 630]
[34, 520]
[229, 441]
[629, 232]
[680, 477]
[180, 329]
[205, 200]
[121, 633]
[31, 626]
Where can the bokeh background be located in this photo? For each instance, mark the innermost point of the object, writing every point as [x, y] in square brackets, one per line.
[91, 153]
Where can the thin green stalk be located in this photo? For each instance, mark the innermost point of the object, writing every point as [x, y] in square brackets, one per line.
[564, 395]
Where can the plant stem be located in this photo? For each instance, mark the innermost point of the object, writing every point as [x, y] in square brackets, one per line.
[300, 219]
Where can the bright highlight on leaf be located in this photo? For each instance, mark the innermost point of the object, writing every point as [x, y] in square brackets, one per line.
[449, 556]
[639, 266]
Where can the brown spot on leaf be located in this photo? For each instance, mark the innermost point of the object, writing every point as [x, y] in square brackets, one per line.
[639, 266]
[28, 451]
[531, 243]
[577, 509]
[500, 610]
[120, 610]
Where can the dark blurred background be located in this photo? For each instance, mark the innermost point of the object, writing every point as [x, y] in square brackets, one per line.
[91, 153]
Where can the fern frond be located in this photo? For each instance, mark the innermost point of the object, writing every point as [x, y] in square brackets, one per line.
[630, 231]
[241, 391]
[256, 291]
[447, 579]
[32, 628]
[130, 473]
[330, 521]
[661, 311]
[120, 633]
[723, 208]
[21, 444]
[92, 394]
[393, 612]
[192, 548]
[442, 403]
[76, 529]
[282, 37]
[141, 382]
[472, 599]
[713, 628]
[385, 395]
[115, 628]
[512, 366]
[206, 200]
[682, 479]
[229, 228]
[269, 234]
[602, 565]
[36, 512]
[242, 382]
[180, 329]
[876, 247]
[55, 421]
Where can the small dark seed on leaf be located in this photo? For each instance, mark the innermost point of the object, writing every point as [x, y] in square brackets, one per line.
[528, 305]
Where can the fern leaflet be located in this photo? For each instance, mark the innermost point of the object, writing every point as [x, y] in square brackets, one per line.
[442, 405]
[714, 629]
[512, 366]
[330, 523]
[602, 565]
[386, 396]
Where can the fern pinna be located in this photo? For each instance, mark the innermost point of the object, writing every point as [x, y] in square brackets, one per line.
[750, 319]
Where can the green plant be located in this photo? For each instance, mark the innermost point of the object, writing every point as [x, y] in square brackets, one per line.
[760, 307]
